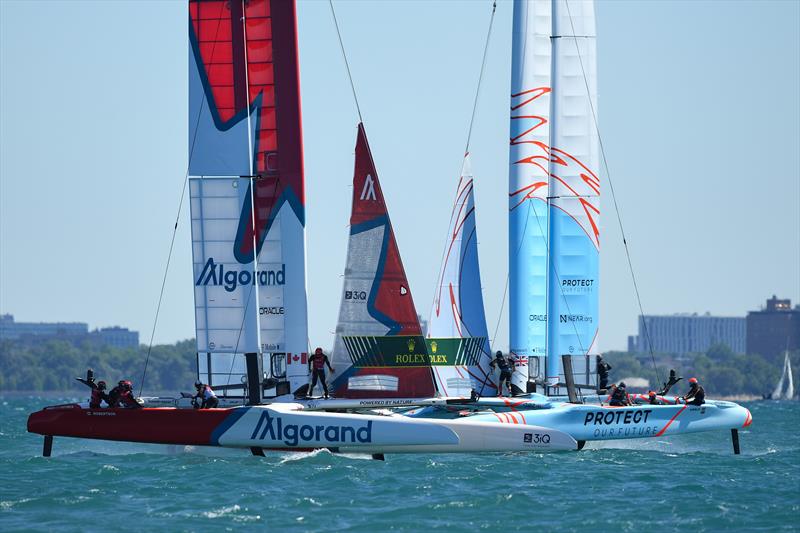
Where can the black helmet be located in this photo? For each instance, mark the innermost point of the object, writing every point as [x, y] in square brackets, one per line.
[499, 353]
[101, 385]
[121, 383]
[198, 384]
[621, 383]
[599, 358]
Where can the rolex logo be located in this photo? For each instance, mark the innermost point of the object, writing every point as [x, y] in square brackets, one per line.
[434, 346]
[411, 345]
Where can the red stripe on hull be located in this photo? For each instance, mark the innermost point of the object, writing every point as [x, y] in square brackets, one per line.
[163, 425]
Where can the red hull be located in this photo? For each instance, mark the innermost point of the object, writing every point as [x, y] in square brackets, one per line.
[163, 425]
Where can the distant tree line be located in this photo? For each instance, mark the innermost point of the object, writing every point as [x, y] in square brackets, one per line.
[720, 370]
[53, 365]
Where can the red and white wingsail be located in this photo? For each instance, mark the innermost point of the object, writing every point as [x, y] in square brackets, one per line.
[248, 212]
[376, 303]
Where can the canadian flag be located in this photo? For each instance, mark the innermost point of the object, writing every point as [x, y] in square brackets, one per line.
[299, 358]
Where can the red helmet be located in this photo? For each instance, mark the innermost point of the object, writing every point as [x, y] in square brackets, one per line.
[318, 351]
[651, 393]
[693, 380]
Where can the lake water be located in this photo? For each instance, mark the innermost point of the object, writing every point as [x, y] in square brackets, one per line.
[682, 483]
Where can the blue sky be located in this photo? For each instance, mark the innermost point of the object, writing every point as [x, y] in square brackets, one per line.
[699, 109]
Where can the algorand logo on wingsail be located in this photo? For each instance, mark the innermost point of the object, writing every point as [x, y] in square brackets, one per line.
[217, 274]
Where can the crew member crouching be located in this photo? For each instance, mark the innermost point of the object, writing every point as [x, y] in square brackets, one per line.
[207, 398]
[619, 395]
[696, 394]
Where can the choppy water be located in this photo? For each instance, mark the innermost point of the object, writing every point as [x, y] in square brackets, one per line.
[691, 482]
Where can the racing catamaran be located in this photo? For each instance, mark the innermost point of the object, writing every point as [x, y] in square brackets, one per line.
[247, 214]
[248, 218]
[554, 241]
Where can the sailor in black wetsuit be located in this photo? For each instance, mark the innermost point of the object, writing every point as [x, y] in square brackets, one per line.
[602, 373]
[506, 368]
[316, 365]
[619, 396]
[696, 394]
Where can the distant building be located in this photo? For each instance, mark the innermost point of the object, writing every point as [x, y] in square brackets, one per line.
[10, 330]
[773, 329]
[689, 333]
[75, 332]
[115, 336]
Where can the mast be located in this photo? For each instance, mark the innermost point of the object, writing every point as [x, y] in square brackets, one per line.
[247, 197]
[574, 194]
[554, 190]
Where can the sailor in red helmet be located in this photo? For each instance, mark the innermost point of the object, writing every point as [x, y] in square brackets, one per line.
[122, 395]
[316, 365]
[696, 394]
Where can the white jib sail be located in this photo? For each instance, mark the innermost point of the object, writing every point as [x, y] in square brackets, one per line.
[458, 301]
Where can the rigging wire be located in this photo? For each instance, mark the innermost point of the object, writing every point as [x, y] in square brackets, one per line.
[466, 151]
[614, 197]
[480, 76]
[346, 64]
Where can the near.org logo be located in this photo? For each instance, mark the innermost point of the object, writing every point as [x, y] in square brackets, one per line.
[215, 274]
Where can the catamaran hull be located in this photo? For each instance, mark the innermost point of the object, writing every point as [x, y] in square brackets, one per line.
[586, 422]
[286, 426]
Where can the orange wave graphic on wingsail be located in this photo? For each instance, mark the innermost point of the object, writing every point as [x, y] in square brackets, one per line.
[554, 163]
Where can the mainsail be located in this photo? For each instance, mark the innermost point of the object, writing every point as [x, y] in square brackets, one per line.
[554, 190]
[247, 198]
[458, 302]
[379, 350]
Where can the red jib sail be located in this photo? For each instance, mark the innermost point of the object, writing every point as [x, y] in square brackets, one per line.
[379, 351]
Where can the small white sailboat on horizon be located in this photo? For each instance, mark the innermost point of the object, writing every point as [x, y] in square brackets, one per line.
[784, 390]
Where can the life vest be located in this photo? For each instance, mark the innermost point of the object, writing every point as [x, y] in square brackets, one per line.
[127, 399]
[619, 395]
[97, 397]
[208, 393]
[318, 361]
[503, 365]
